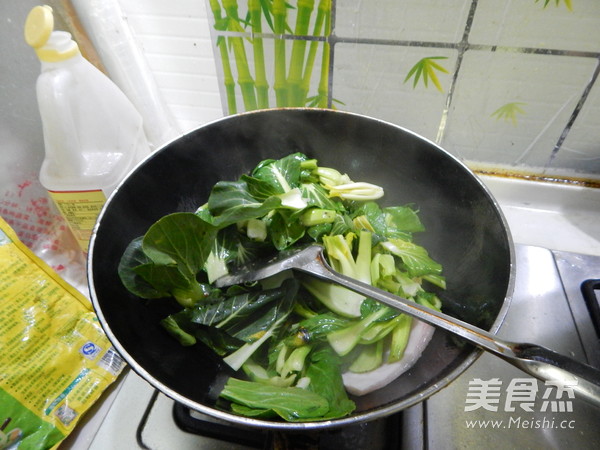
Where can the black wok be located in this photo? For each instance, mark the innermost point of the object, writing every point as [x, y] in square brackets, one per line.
[466, 233]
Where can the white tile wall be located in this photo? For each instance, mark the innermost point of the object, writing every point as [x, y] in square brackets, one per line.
[580, 150]
[370, 79]
[548, 87]
[545, 58]
[175, 37]
[414, 20]
[525, 23]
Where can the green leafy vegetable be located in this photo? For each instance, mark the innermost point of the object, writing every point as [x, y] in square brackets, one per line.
[291, 337]
[369, 358]
[343, 341]
[133, 257]
[263, 327]
[174, 250]
[283, 174]
[415, 257]
[182, 239]
[326, 380]
[290, 403]
[230, 202]
[339, 299]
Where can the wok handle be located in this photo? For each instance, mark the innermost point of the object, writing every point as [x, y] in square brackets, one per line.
[535, 360]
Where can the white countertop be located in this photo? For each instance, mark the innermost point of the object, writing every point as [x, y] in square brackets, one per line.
[556, 216]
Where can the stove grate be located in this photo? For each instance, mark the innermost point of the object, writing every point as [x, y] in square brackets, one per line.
[381, 434]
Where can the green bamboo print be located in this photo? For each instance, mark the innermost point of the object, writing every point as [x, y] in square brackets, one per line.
[294, 81]
[567, 3]
[509, 112]
[289, 83]
[261, 83]
[426, 69]
[321, 28]
[228, 81]
[245, 79]
[323, 90]
[279, 26]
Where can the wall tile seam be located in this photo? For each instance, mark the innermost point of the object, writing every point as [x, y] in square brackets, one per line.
[334, 40]
[462, 49]
[574, 115]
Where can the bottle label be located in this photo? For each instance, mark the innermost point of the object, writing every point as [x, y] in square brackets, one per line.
[80, 209]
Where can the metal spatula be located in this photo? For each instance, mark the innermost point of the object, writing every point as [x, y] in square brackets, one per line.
[535, 360]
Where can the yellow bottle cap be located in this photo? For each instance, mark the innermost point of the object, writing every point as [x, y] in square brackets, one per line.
[39, 28]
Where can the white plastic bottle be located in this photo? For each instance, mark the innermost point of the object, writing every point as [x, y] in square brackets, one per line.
[93, 135]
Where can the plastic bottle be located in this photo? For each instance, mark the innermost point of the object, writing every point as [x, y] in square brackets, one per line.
[93, 135]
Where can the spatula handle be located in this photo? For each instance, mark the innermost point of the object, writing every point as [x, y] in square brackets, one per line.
[535, 360]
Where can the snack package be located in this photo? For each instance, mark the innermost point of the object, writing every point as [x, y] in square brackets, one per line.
[55, 360]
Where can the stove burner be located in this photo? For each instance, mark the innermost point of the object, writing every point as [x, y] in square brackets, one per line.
[189, 421]
[381, 434]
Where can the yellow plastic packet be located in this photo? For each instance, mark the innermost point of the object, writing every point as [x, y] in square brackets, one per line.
[55, 360]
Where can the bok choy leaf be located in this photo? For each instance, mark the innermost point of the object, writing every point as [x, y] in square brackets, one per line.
[264, 327]
[168, 257]
[326, 380]
[290, 403]
[230, 203]
[417, 260]
[283, 174]
[182, 239]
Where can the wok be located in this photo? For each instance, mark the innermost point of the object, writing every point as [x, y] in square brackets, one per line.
[465, 232]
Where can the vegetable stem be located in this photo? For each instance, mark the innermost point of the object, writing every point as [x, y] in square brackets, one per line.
[317, 216]
[370, 358]
[344, 340]
[400, 337]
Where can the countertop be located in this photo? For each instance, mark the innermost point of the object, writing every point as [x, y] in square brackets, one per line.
[553, 215]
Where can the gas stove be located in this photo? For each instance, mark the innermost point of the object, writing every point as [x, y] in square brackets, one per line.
[491, 404]
[557, 231]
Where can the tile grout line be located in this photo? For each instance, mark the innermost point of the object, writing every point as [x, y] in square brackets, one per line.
[462, 48]
[574, 115]
[423, 44]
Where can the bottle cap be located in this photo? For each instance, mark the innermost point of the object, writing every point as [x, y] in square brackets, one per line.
[39, 26]
[50, 45]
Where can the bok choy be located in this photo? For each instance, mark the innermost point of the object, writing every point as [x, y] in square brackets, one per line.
[294, 339]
